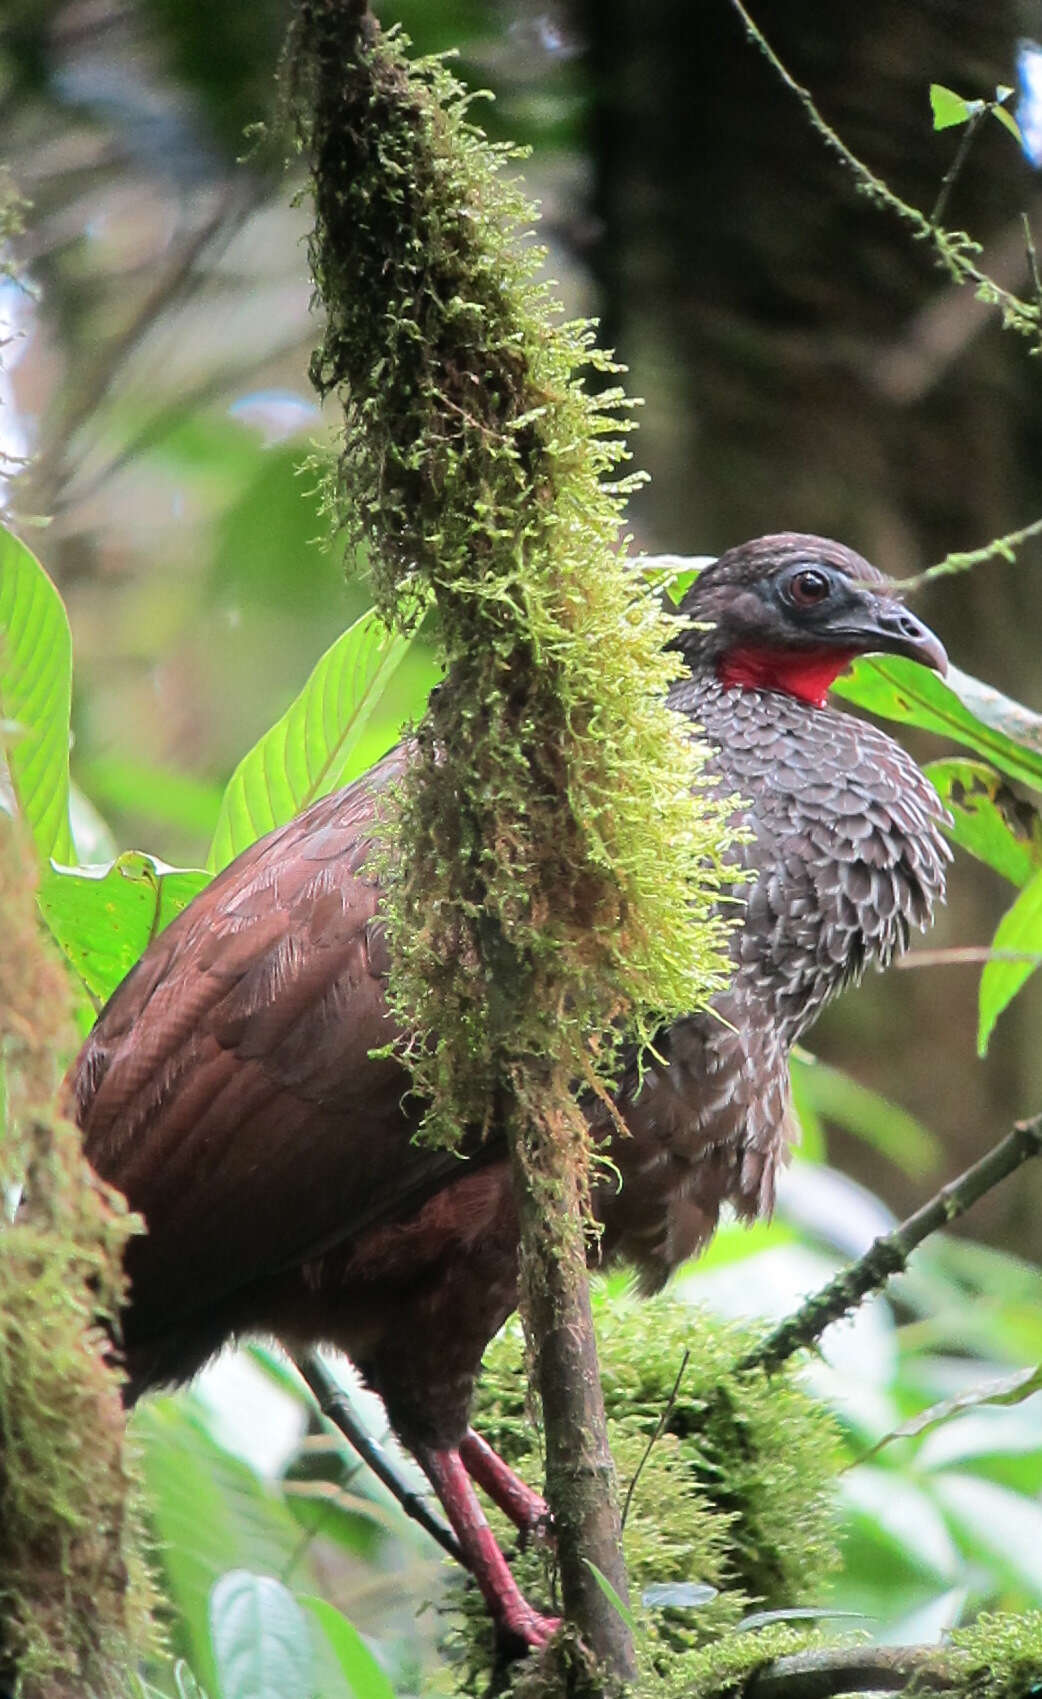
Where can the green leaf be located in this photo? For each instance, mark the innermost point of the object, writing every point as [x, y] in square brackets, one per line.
[1020, 929]
[35, 696]
[988, 818]
[1008, 122]
[104, 918]
[210, 1513]
[950, 108]
[959, 707]
[1009, 1389]
[363, 1674]
[311, 749]
[261, 1644]
[882, 1124]
[620, 1606]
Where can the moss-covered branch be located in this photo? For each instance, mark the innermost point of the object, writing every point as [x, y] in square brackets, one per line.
[888, 1255]
[551, 876]
[73, 1596]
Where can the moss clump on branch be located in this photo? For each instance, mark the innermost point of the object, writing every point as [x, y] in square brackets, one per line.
[736, 1493]
[997, 1657]
[554, 878]
[74, 1599]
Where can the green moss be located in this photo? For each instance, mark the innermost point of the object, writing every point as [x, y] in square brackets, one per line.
[553, 877]
[736, 1493]
[74, 1598]
[998, 1657]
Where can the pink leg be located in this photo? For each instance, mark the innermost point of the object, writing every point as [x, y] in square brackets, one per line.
[525, 1508]
[513, 1616]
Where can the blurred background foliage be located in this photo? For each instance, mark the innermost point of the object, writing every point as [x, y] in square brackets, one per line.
[803, 366]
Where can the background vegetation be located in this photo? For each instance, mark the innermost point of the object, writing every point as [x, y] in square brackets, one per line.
[803, 366]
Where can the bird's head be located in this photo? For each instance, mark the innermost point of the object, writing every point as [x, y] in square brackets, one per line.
[789, 612]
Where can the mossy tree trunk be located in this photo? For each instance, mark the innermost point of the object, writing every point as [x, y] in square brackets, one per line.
[552, 873]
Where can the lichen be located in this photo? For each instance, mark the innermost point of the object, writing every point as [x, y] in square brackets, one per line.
[736, 1493]
[74, 1597]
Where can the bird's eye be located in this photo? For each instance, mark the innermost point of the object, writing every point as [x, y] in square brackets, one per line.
[807, 588]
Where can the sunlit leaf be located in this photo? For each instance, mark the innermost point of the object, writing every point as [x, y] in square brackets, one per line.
[313, 747]
[959, 707]
[35, 696]
[104, 918]
[950, 108]
[988, 818]
[1010, 1389]
[1020, 929]
[992, 1521]
[261, 1644]
[363, 1674]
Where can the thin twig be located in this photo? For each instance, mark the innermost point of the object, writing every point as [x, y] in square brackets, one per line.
[858, 1669]
[951, 250]
[962, 152]
[1036, 280]
[957, 955]
[660, 1429]
[335, 1405]
[1003, 548]
[889, 1254]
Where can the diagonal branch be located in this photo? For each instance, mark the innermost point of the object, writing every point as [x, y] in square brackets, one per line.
[889, 1254]
[335, 1406]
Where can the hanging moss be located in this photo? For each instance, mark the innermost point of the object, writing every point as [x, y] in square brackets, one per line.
[74, 1598]
[553, 876]
[736, 1494]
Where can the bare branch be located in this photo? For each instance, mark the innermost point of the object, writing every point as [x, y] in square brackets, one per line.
[858, 1669]
[335, 1405]
[889, 1254]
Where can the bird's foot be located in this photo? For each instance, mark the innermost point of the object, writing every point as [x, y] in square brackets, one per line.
[524, 1629]
[519, 1627]
[526, 1508]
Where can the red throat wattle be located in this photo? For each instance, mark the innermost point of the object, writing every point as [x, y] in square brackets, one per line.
[806, 674]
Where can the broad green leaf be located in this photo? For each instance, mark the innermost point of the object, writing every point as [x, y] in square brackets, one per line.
[311, 749]
[364, 1676]
[104, 918]
[988, 818]
[261, 1644]
[1020, 929]
[950, 108]
[35, 696]
[1010, 1389]
[958, 707]
[210, 1513]
[882, 1124]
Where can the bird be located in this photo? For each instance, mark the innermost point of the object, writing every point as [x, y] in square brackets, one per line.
[239, 1088]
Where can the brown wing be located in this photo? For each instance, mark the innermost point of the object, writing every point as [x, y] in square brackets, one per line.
[228, 1088]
